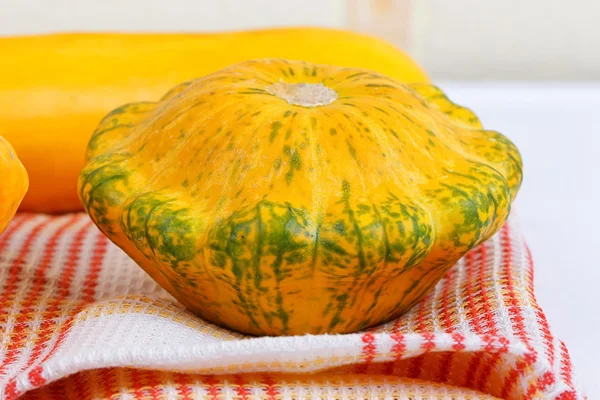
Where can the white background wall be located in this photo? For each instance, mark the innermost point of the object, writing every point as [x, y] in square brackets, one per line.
[511, 39]
[458, 39]
[27, 16]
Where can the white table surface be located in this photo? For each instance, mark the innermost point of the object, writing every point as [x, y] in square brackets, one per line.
[556, 126]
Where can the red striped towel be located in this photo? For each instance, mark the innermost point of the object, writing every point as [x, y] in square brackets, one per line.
[80, 320]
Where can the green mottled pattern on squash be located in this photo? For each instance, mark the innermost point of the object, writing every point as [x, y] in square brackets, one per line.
[273, 218]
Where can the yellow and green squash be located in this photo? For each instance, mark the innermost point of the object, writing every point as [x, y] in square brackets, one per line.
[280, 197]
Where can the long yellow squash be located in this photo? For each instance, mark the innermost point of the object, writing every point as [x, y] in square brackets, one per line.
[55, 89]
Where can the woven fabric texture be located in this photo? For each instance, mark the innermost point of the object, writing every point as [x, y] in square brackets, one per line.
[80, 320]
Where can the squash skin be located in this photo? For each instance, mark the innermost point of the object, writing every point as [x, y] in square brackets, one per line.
[275, 219]
[50, 113]
[13, 183]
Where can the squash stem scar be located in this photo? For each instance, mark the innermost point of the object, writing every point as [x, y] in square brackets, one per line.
[304, 94]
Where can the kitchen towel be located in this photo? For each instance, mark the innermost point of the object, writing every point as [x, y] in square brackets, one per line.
[80, 320]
